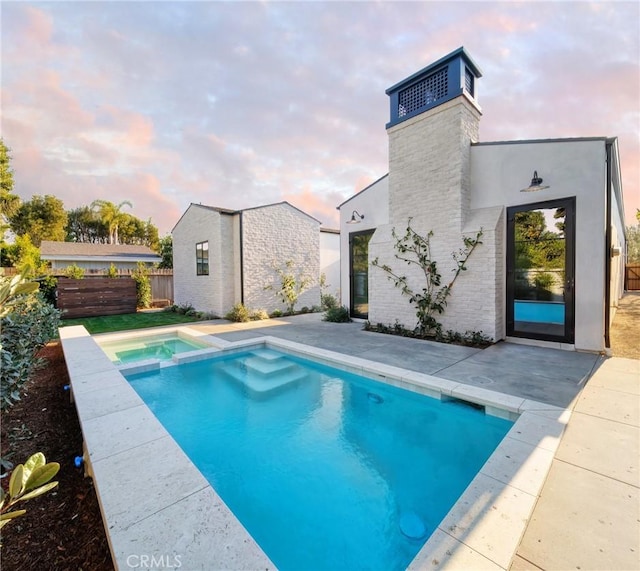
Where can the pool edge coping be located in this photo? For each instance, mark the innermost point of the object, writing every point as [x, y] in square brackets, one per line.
[484, 527]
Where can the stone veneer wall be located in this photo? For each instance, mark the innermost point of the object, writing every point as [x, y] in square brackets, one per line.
[429, 181]
[205, 293]
[272, 235]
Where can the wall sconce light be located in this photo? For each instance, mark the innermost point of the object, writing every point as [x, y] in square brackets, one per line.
[356, 217]
[536, 184]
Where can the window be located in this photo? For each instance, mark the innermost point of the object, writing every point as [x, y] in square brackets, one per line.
[202, 258]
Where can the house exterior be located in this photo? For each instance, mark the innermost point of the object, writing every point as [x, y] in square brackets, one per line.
[550, 265]
[222, 257]
[98, 257]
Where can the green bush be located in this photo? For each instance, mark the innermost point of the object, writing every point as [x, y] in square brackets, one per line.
[329, 301]
[239, 313]
[74, 272]
[112, 272]
[143, 286]
[29, 324]
[48, 288]
[337, 315]
[276, 313]
[258, 315]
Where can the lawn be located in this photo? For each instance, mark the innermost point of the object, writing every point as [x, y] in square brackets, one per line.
[140, 320]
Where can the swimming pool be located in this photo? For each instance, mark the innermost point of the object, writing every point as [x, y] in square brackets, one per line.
[162, 347]
[326, 469]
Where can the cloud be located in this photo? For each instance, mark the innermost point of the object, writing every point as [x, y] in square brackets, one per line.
[241, 104]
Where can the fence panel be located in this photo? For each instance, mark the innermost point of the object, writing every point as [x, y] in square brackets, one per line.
[96, 296]
[161, 287]
[632, 277]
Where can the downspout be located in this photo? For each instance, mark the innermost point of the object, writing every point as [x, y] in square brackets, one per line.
[607, 267]
[241, 261]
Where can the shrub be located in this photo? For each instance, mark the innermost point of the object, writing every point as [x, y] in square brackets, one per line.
[239, 313]
[112, 272]
[28, 324]
[276, 313]
[143, 286]
[74, 272]
[337, 315]
[48, 288]
[258, 315]
[328, 301]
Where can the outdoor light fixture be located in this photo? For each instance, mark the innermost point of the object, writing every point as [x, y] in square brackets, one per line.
[356, 217]
[536, 184]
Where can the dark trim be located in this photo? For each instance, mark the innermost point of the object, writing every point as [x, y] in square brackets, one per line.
[570, 269]
[240, 231]
[607, 259]
[352, 312]
[529, 141]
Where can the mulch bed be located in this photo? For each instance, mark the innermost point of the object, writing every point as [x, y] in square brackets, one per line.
[62, 530]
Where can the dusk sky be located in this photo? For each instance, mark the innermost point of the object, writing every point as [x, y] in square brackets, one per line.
[246, 103]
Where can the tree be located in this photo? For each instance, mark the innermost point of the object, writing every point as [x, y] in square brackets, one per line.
[111, 215]
[289, 284]
[42, 217]
[84, 225]
[9, 202]
[633, 244]
[166, 251]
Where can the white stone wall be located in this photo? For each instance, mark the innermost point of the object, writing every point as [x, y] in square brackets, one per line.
[430, 182]
[206, 293]
[272, 235]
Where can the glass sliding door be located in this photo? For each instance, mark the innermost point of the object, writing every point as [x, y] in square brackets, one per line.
[540, 270]
[359, 273]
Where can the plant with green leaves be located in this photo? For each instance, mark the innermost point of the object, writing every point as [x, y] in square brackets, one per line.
[74, 272]
[143, 285]
[28, 481]
[11, 289]
[431, 299]
[239, 313]
[289, 284]
[337, 315]
[113, 272]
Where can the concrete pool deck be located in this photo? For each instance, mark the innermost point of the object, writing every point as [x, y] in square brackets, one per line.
[547, 375]
[588, 513]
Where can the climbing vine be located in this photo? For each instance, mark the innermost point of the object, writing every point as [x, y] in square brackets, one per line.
[430, 300]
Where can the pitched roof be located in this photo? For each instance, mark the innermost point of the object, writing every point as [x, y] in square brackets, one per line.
[62, 250]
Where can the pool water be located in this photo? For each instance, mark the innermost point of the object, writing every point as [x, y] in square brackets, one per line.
[161, 347]
[325, 469]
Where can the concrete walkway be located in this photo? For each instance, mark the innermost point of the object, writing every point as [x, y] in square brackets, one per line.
[587, 516]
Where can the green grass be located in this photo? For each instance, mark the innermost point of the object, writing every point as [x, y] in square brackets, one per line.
[141, 320]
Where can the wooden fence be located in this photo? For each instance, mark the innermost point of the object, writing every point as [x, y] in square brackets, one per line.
[96, 296]
[161, 281]
[632, 277]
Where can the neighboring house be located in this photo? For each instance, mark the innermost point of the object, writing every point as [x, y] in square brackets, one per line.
[96, 256]
[558, 284]
[222, 257]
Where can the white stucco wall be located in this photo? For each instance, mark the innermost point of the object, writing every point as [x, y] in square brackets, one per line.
[272, 235]
[211, 292]
[330, 261]
[373, 203]
[570, 168]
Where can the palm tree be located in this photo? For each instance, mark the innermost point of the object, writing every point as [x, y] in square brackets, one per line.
[111, 215]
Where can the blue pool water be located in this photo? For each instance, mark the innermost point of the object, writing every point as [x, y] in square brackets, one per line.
[325, 469]
[161, 347]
